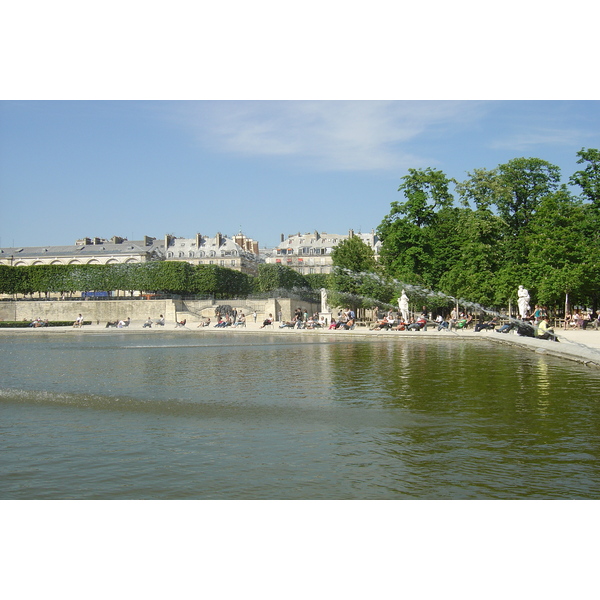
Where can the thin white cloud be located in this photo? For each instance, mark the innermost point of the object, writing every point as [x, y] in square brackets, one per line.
[330, 135]
[525, 140]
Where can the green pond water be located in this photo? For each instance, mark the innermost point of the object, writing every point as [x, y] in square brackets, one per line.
[207, 416]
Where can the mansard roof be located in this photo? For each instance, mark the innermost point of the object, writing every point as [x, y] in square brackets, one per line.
[88, 250]
[326, 241]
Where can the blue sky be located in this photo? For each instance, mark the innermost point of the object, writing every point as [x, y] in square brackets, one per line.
[70, 169]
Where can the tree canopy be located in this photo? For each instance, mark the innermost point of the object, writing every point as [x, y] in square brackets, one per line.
[516, 224]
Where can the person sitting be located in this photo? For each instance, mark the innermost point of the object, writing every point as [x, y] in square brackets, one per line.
[417, 325]
[299, 319]
[544, 332]
[124, 323]
[204, 323]
[383, 324]
[160, 321]
[267, 321]
[241, 321]
[112, 324]
[484, 325]
[460, 324]
[148, 323]
[180, 323]
[349, 324]
[506, 328]
[442, 323]
[289, 324]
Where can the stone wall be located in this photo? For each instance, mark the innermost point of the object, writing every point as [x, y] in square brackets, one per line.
[92, 310]
[140, 310]
[195, 310]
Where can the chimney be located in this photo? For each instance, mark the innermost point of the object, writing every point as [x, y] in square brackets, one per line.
[219, 238]
[168, 239]
[351, 233]
[282, 237]
[198, 240]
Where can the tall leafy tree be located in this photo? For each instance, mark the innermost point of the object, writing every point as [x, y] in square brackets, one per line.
[353, 254]
[355, 280]
[588, 179]
[557, 248]
[527, 182]
[472, 274]
[418, 234]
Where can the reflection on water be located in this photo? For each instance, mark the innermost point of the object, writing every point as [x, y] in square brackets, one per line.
[269, 416]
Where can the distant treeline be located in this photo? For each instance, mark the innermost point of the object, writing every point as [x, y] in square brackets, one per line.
[164, 277]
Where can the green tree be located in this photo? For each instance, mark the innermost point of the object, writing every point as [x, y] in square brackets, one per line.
[471, 275]
[527, 181]
[355, 281]
[589, 178]
[15, 280]
[558, 248]
[353, 254]
[274, 277]
[316, 281]
[426, 192]
[418, 235]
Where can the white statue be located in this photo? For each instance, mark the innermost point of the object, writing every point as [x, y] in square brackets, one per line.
[324, 307]
[403, 304]
[523, 301]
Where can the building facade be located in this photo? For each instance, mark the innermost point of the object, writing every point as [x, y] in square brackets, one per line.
[311, 252]
[239, 253]
[86, 251]
[306, 253]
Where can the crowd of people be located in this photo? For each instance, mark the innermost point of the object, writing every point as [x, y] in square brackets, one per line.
[534, 324]
[582, 320]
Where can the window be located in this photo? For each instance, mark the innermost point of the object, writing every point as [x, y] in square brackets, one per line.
[233, 263]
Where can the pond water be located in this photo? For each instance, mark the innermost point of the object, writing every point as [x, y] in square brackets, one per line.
[195, 415]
